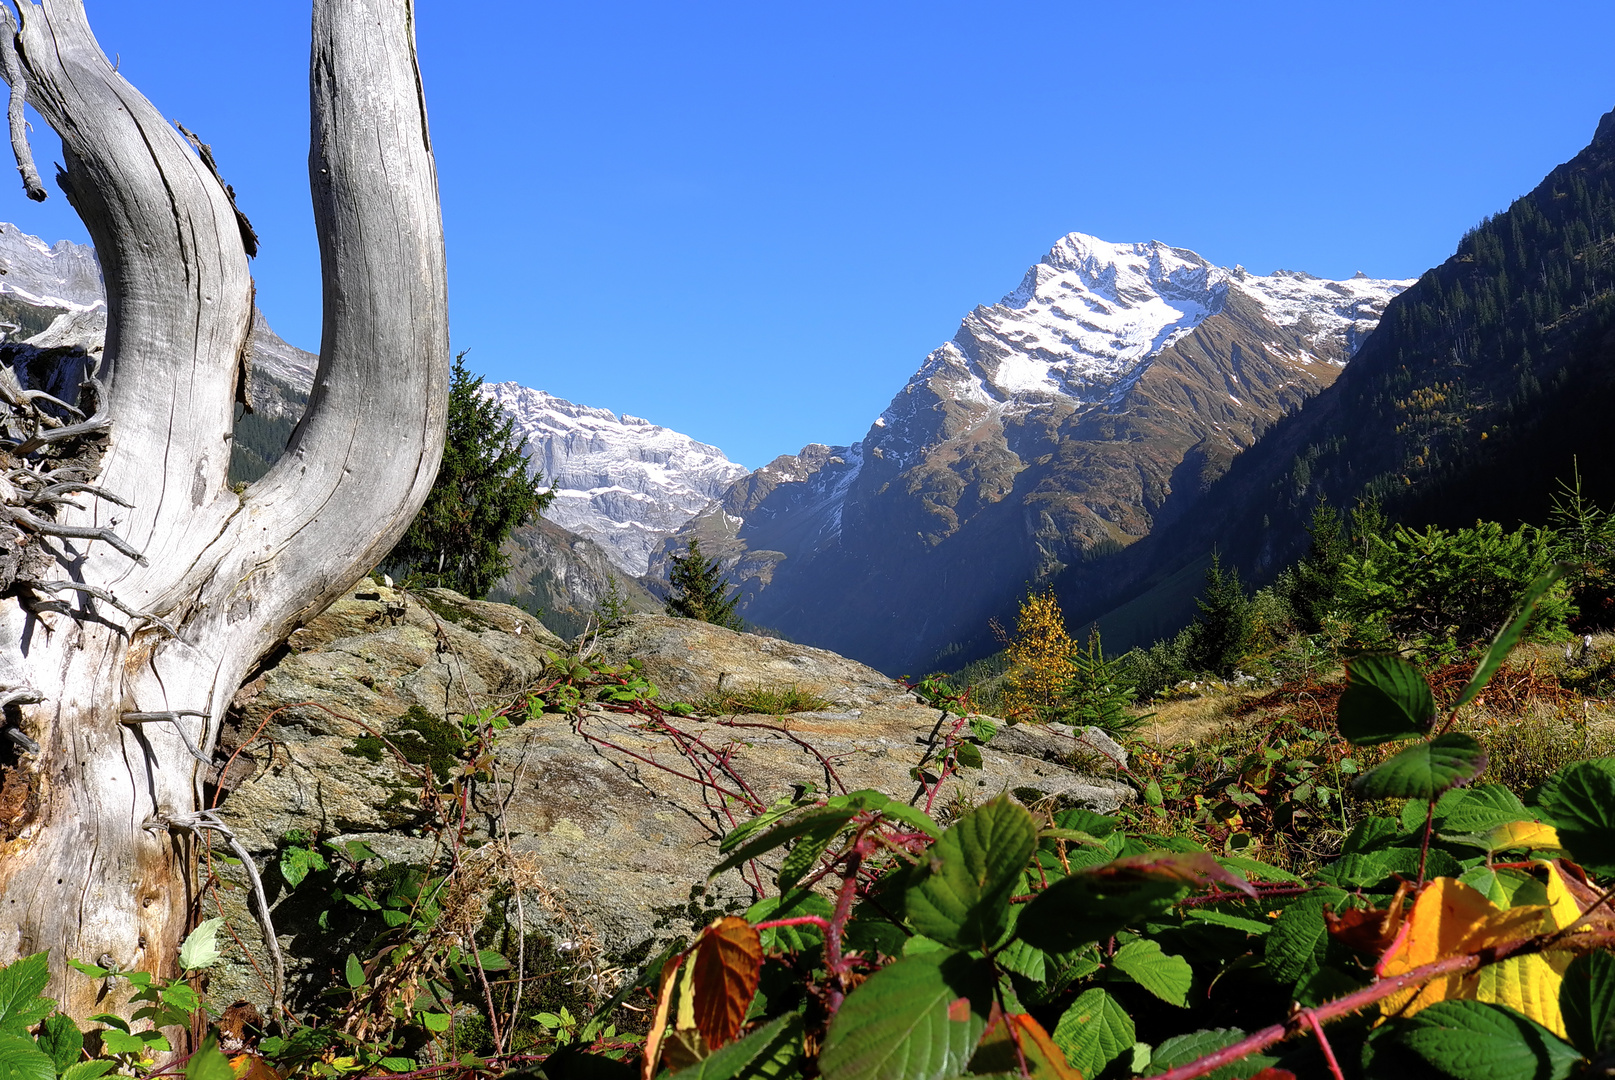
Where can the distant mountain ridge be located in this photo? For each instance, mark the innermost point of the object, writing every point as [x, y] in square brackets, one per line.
[622, 482]
[1093, 403]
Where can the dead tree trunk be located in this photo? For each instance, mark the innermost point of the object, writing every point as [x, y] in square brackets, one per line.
[145, 588]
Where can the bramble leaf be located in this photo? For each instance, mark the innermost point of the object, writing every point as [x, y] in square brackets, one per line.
[1587, 1003]
[20, 1059]
[810, 820]
[918, 1019]
[1472, 1040]
[1233, 922]
[1016, 1038]
[1479, 809]
[779, 809]
[1580, 800]
[1088, 907]
[1386, 699]
[1296, 945]
[804, 855]
[1182, 1049]
[89, 1070]
[728, 965]
[21, 1006]
[209, 1063]
[61, 1038]
[766, 1052]
[961, 887]
[790, 905]
[1452, 919]
[1093, 1032]
[1424, 771]
[1167, 977]
[200, 948]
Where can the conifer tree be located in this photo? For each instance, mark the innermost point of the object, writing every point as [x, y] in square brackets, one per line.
[482, 493]
[1040, 660]
[1097, 694]
[1222, 631]
[1316, 580]
[700, 589]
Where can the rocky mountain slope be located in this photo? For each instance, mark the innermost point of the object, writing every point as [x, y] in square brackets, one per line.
[1489, 380]
[1087, 408]
[622, 482]
[566, 578]
[51, 296]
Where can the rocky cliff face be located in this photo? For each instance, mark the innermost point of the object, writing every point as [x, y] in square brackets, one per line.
[1096, 401]
[622, 482]
[63, 275]
[565, 578]
[51, 296]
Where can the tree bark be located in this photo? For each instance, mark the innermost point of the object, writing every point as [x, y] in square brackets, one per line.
[97, 836]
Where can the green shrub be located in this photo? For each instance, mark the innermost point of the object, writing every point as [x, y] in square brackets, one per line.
[1097, 694]
[1443, 591]
[1157, 668]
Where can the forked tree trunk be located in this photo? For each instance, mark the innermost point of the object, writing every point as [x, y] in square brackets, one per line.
[98, 836]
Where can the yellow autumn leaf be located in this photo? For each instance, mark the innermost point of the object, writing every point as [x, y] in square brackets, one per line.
[1522, 834]
[1452, 919]
[1566, 908]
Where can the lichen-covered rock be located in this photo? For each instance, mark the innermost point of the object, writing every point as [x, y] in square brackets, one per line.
[608, 826]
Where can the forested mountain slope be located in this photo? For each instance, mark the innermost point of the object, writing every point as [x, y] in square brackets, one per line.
[1484, 384]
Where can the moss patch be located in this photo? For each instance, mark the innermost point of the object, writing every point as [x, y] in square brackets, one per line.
[422, 739]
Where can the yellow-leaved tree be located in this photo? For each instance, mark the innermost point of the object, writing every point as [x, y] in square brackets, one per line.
[1039, 658]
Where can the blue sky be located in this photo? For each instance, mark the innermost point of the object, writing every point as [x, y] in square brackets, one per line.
[751, 221]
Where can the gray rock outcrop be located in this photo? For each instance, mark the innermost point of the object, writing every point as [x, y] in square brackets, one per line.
[608, 831]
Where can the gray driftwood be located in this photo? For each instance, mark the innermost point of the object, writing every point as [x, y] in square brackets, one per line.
[158, 599]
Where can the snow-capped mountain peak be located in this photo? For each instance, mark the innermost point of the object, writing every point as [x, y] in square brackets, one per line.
[620, 481]
[1090, 313]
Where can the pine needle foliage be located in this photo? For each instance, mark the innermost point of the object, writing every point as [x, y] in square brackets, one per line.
[1222, 631]
[1097, 694]
[482, 493]
[700, 589]
[1040, 660]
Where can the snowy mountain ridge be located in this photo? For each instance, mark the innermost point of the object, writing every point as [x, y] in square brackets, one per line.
[1090, 313]
[620, 481]
[61, 275]
[1094, 401]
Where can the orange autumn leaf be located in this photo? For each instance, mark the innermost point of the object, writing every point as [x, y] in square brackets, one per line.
[252, 1067]
[1570, 895]
[1451, 919]
[728, 965]
[658, 1027]
[1016, 1039]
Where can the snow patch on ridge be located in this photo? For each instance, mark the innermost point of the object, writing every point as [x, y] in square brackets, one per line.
[620, 481]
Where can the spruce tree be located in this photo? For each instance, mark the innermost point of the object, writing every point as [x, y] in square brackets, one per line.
[1097, 694]
[482, 493]
[1222, 631]
[1315, 583]
[700, 590]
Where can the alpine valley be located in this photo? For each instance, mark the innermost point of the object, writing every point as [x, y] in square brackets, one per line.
[1123, 412]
